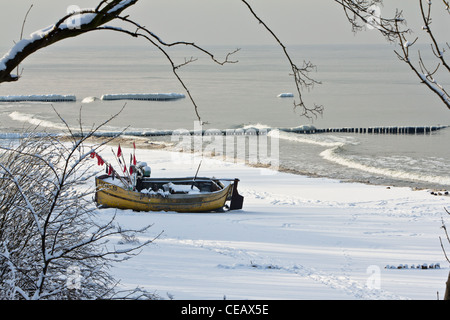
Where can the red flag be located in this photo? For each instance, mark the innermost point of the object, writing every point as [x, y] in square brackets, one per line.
[100, 161]
[119, 152]
[110, 170]
[134, 159]
[131, 170]
[92, 154]
[134, 145]
[124, 168]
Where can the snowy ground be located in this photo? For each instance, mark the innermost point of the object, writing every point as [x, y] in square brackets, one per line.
[296, 238]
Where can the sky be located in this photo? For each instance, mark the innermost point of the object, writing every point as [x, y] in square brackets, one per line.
[212, 22]
[207, 22]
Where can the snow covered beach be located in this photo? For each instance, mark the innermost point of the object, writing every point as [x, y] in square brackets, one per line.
[296, 238]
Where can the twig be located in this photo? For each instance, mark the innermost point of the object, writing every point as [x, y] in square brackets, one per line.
[21, 31]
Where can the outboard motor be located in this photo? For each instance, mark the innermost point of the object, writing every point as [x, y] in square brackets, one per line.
[146, 171]
[143, 169]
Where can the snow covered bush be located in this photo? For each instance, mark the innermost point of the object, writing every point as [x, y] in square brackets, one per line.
[52, 245]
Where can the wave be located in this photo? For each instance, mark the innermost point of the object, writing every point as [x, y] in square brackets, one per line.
[332, 144]
[311, 139]
[89, 99]
[23, 117]
[333, 156]
[335, 144]
[258, 126]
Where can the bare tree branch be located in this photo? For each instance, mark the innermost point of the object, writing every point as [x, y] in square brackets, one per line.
[21, 31]
[301, 75]
[48, 224]
[438, 52]
[87, 20]
[362, 15]
[82, 22]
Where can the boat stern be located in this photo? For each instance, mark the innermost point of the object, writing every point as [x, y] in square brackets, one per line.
[237, 200]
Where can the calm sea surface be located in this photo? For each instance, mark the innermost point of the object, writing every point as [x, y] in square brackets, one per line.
[362, 86]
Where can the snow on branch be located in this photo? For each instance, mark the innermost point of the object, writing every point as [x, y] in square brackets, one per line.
[49, 224]
[71, 25]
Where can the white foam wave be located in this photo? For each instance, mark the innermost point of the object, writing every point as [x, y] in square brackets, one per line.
[309, 139]
[89, 99]
[23, 117]
[258, 126]
[333, 156]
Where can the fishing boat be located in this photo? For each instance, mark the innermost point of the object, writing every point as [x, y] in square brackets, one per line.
[191, 194]
[136, 190]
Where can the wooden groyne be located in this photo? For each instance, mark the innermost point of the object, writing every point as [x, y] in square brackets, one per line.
[265, 131]
[144, 96]
[39, 98]
[253, 131]
[370, 130]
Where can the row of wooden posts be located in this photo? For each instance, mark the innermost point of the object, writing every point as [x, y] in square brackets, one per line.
[299, 130]
[373, 130]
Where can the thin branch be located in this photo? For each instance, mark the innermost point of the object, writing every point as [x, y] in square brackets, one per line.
[427, 27]
[21, 33]
[363, 16]
[447, 5]
[301, 75]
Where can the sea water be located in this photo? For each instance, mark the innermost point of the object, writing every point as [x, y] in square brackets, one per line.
[360, 86]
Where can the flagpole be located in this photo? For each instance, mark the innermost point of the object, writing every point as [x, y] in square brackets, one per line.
[120, 155]
[124, 169]
[133, 165]
[101, 161]
[193, 181]
[118, 161]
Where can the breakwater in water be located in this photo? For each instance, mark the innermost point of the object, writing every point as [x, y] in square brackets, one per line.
[299, 130]
[246, 131]
[371, 130]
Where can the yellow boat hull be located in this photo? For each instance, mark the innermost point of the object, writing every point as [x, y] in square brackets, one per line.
[113, 196]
